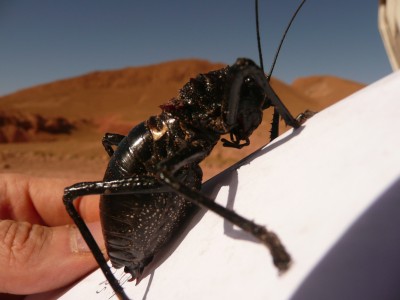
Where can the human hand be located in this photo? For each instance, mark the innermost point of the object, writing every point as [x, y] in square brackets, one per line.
[40, 249]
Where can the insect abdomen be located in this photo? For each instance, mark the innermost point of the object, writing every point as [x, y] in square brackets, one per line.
[136, 226]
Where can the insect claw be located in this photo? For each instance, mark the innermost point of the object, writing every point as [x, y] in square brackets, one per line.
[281, 258]
[301, 118]
[283, 265]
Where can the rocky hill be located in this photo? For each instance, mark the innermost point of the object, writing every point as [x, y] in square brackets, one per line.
[56, 128]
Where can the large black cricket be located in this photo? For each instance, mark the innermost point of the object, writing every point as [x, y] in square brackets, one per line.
[153, 178]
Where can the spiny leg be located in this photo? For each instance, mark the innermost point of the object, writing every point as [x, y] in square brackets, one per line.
[280, 257]
[274, 132]
[280, 107]
[300, 119]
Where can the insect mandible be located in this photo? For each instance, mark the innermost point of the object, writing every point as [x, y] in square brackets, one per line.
[153, 178]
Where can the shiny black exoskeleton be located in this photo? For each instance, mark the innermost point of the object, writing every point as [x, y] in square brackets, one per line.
[189, 126]
[153, 178]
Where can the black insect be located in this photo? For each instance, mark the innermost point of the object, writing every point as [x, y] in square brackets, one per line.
[153, 178]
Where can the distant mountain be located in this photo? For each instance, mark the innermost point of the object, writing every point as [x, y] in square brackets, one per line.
[129, 95]
[326, 90]
[67, 118]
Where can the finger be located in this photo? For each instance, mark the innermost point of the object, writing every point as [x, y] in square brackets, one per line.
[36, 258]
[39, 200]
[47, 197]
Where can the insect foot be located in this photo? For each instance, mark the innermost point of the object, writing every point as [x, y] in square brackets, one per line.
[301, 118]
[281, 258]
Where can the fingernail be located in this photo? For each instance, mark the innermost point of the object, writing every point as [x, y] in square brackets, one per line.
[78, 243]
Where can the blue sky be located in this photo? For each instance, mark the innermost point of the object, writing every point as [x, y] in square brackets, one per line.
[46, 40]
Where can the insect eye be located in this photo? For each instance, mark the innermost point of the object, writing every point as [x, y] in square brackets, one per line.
[250, 86]
[249, 81]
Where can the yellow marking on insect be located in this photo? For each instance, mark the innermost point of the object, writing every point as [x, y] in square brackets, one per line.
[158, 133]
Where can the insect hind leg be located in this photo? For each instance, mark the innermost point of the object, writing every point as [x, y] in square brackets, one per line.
[279, 254]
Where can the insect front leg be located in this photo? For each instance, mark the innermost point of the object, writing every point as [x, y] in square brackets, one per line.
[274, 132]
[111, 139]
[280, 107]
[166, 172]
[300, 119]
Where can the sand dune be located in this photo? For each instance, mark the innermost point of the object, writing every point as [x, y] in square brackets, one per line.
[63, 121]
[326, 90]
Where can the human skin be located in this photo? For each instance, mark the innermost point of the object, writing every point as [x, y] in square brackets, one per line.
[40, 248]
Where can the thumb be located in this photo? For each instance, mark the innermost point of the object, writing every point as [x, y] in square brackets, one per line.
[36, 258]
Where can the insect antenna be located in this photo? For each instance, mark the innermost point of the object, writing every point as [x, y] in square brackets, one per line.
[283, 38]
[275, 118]
[258, 38]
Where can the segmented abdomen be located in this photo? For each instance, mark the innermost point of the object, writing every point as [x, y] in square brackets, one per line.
[136, 226]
